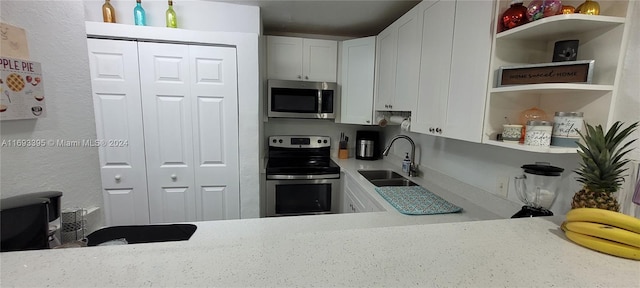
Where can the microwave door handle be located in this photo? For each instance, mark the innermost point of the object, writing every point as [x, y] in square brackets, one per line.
[319, 102]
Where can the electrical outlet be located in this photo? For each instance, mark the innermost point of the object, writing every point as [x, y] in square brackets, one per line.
[502, 186]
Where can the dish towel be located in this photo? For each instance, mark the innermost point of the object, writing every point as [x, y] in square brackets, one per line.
[415, 200]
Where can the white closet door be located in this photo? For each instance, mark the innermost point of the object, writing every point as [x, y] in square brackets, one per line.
[118, 115]
[168, 131]
[215, 129]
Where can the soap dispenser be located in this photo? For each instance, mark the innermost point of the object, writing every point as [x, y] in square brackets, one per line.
[406, 163]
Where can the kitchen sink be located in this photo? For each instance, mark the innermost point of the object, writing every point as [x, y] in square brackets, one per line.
[393, 182]
[381, 178]
[379, 174]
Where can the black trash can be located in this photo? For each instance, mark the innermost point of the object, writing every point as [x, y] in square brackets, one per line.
[142, 233]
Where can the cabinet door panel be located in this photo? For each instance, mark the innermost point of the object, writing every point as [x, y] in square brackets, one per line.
[408, 63]
[435, 61]
[320, 60]
[386, 68]
[284, 58]
[469, 70]
[168, 131]
[118, 114]
[215, 125]
[358, 64]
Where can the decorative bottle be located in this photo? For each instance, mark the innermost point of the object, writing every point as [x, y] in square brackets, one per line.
[172, 21]
[514, 16]
[139, 16]
[589, 7]
[108, 12]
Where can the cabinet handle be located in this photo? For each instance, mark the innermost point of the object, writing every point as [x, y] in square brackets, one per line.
[174, 177]
[390, 106]
[299, 77]
[439, 130]
[431, 129]
[118, 177]
[306, 77]
[368, 121]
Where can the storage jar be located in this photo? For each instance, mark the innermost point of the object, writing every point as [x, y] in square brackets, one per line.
[538, 133]
[565, 129]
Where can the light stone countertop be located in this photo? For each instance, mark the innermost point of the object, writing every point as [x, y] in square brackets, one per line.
[528, 252]
[377, 249]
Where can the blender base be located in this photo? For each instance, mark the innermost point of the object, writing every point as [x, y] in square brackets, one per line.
[528, 211]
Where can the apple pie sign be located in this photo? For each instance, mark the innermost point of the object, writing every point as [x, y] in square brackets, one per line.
[21, 89]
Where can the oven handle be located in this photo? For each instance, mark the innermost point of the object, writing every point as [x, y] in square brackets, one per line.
[303, 177]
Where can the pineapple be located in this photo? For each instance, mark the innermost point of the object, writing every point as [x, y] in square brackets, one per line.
[602, 166]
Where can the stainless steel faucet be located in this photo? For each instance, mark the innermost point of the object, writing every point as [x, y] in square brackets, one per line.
[413, 169]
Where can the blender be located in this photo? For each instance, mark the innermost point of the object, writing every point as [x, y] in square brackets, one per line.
[537, 189]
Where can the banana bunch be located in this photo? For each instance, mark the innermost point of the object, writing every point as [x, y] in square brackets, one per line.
[604, 231]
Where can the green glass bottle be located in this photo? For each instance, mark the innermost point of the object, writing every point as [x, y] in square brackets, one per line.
[172, 21]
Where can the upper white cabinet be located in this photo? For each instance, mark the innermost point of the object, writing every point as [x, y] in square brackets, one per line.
[290, 58]
[398, 65]
[454, 68]
[602, 38]
[357, 67]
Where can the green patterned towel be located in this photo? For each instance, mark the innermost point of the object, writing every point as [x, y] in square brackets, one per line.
[415, 200]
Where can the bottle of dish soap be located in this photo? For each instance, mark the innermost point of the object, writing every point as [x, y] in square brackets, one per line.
[406, 163]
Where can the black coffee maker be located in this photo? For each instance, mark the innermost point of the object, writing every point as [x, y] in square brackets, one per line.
[367, 145]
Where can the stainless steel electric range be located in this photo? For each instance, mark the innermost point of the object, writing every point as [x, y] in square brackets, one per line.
[301, 177]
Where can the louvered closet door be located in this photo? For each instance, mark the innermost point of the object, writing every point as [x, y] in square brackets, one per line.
[168, 131]
[215, 125]
[118, 114]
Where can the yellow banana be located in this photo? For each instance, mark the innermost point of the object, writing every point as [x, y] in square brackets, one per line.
[602, 216]
[604, 231]
[604, 246]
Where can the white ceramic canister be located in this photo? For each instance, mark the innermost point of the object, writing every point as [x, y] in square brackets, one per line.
[538, 133]
[565, 129]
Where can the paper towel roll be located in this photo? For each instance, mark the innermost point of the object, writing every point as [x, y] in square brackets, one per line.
[406, 124]
[395, 120]
[382, 120]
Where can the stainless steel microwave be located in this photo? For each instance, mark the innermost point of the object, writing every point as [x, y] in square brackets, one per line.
[302, 99]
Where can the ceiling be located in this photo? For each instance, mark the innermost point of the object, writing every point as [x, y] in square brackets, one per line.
[351, 18]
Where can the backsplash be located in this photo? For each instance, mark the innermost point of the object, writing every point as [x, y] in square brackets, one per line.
[277, 126]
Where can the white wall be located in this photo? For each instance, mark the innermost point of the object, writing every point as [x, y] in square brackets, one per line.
[56, 36]
[191, 14]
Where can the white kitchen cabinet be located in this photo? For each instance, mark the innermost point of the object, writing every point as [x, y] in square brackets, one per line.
[437, 24]
[355, 199]
[602, 38]
[453, 85]
[187, 105]
[358, 65]
[397, 64]
[118, 115]
[302, 59]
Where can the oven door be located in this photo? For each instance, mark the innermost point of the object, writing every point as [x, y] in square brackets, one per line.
[302, 197]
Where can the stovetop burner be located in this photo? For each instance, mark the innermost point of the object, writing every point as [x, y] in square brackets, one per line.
[300, 155]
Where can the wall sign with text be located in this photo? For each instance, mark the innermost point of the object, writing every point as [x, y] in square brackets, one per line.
[21, 89]
[556, 72]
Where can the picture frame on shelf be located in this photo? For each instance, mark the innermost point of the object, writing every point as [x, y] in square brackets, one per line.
[557, 72]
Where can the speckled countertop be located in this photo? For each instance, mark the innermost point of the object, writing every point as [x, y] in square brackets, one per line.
[358, 249]
[256, 252]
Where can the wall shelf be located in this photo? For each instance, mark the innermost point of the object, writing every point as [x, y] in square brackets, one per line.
[559, 25]
[537, 149]
[553, 88]
[601, 38]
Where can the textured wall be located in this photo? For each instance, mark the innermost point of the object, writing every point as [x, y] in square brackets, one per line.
[56, 36]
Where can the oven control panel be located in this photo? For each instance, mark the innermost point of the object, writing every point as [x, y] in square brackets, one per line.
[289, 141]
